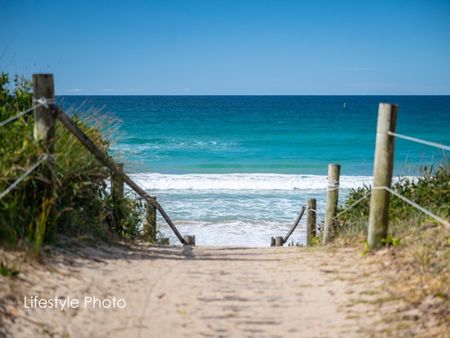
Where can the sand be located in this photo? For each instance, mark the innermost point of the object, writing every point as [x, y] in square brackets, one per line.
[195, 292]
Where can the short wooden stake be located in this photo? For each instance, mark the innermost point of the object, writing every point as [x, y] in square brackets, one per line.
[334, 171]
[190, 240]
[382, 175]
[279, 241]
[150, 225]
[311, 220]
[44, 134]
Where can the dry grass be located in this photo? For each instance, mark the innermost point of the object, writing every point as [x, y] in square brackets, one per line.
[406, 285]
[414, 296]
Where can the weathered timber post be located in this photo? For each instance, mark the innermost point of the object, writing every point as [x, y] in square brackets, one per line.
[117, 185]
[44, 134]
[382, 174]
[150, 225]
[44, 123]
[190, 240]
[44, 120]
[278, 241]
[117, 193]
[311, 220]
[334, 171]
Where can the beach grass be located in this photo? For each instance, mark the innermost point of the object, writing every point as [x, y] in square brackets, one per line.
[414, 264]
[82, 204]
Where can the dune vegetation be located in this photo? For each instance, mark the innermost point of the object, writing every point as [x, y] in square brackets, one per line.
[82, 205]
[415, 263]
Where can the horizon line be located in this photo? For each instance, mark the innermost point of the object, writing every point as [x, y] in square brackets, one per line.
[195, 95]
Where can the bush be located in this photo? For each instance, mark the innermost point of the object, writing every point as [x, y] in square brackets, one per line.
[430, 190]
[82, 204]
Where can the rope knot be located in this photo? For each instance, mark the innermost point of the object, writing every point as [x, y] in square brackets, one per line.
[43, 101]
[332, 184]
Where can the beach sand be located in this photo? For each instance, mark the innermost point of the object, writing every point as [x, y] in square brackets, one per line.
[194, 292]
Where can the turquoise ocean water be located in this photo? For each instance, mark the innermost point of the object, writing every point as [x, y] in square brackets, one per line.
[235, 170]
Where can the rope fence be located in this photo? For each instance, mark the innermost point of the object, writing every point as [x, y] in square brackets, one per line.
[383, 164]
[354, 204]
[19, 115]
[23, 176]
[332, 185]
[42, 102]
[414, 204]
[43, 84]
[419, 140]
[403, 198]
[383, 171]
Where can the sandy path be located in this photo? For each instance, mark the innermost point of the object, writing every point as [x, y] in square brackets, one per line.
[200, 292]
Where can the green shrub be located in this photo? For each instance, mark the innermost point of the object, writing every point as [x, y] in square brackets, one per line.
[82, 204]
[430, 190]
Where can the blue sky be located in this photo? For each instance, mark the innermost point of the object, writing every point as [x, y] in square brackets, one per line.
[230, 47]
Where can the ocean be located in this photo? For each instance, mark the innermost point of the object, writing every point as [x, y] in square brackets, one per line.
[235, 170]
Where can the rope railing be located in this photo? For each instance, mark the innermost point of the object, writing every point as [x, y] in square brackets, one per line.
[354, 204]
[16, 117]
[46, 82]
[112, 165]
[421, 141]
[387, 127]
[23, 176]
[279, 240]
[414, 204]
[297, 221]
[332, 185]
[403, 198]
[383, 171]
[42, 102]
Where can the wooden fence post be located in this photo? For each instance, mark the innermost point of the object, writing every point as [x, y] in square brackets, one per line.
[382, 174]
[44, 133]
[44, 123]
[311, 220]
[334, 171]
[150, 225]
[117, 193]
[44, 120]
[117, 185]
[277, 241]
[190, 240]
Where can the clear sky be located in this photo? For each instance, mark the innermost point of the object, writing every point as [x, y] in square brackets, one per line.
[230, 47]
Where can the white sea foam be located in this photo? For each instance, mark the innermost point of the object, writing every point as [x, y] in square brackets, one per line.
[235, 233]
[239, 209]
[251, 181]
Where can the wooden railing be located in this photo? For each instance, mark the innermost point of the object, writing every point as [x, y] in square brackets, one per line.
[46, 113]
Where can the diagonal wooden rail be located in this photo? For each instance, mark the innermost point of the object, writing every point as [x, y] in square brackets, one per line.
[116, 170]
[294, 225]
[279, 241]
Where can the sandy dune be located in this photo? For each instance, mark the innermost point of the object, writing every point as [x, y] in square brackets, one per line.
[199, 292]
